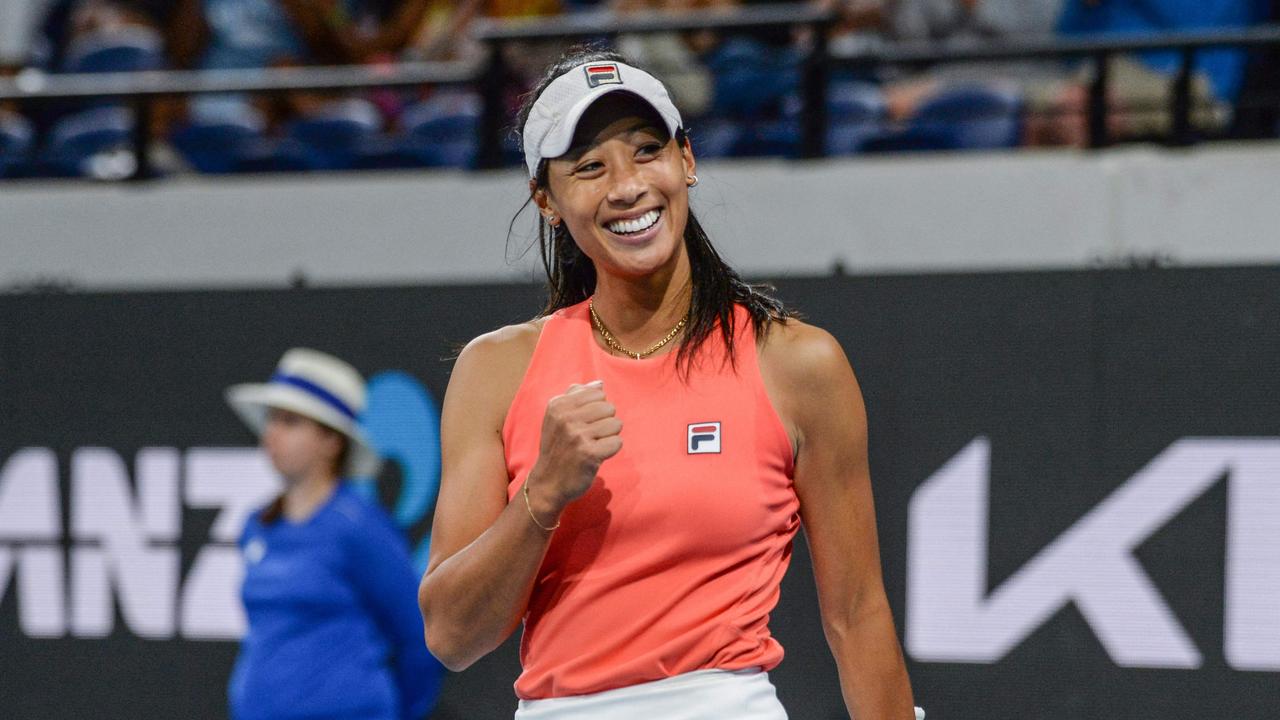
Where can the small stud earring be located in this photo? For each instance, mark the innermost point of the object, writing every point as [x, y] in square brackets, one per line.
[693, 181]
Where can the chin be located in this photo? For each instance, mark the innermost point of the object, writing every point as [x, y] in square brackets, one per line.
[644, 261]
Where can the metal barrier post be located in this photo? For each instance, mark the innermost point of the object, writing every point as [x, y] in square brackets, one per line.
[1180, 109]
[1098, 134]
[493, 113]
[142, 139]
[813, 133]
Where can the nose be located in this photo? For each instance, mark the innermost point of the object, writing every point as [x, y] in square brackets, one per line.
[628, 185]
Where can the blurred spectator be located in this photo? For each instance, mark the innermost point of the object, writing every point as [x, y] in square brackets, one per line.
[1141, 85]
[235, 34]
[19, 20]
[19, 23]
[88, 36]
[754, 71]
[446, 33]
[1258, 107]
[442, 33]
[358, 31]
[255, 34]
[859, 26]
[965, 23]
[669, 55]
[778, 37]
[68, 23]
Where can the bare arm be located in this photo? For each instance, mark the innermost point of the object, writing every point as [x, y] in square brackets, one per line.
[818, 396]
[485, 552]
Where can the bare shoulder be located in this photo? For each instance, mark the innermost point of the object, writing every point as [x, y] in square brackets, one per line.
[489, 369]
[509, 345]
[812, 386]
[802, 357]
[807, 377]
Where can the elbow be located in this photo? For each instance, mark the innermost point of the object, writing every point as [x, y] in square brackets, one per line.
[864, 612]
[451, 653]
[455, 635]
[441, 635]
[442, 644]
[454, 645]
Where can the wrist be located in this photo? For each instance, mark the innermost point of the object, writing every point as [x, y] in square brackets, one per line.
[542, 504]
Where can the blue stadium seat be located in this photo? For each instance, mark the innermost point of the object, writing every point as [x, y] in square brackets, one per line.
[768, 138]
[442, 103]
[909, 139]
[751, 79]
[213, 148]
[386, 152]
[438, 132]
[76, 139]
[441, 131]
[446, 141]
[215, 145]
[333, 135]
[854, 100]
[15, 143]
[978, 117]
[714, 137]
[856, 111]
[132, 49]
[276, 155]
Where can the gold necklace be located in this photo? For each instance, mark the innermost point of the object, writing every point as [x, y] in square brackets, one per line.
[613, 343]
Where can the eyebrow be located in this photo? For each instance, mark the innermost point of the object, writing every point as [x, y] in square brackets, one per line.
[578, 151]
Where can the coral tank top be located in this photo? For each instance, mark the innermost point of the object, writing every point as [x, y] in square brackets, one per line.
[672, 561]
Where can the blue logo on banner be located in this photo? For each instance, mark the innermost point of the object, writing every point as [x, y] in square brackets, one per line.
[403, 423]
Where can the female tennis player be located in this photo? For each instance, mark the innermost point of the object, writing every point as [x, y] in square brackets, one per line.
[626, 473]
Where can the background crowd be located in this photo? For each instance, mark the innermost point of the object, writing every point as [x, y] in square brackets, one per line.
[740, 90]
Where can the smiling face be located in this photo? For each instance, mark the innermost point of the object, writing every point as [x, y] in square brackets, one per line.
[622, 190]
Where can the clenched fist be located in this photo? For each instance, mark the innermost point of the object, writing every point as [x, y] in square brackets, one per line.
[580, 430]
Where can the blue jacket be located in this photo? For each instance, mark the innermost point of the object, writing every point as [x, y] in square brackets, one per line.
[334, 627]
[1225, 68]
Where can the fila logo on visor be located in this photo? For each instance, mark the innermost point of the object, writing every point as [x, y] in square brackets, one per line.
[704, 438]
[606, 74]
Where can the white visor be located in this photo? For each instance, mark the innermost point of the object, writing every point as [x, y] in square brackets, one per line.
[552, 121]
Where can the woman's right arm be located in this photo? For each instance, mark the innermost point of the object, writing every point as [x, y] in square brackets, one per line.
[485, 552]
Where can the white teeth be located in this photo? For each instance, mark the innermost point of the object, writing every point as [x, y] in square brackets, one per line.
[644, 222]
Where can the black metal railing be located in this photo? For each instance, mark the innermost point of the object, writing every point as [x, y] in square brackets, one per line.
[489, 75]
[142, 89]
[1097, 48]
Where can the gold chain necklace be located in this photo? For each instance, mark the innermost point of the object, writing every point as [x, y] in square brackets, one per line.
[613, 343]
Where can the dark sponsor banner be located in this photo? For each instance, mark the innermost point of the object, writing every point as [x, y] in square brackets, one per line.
[1077, 478]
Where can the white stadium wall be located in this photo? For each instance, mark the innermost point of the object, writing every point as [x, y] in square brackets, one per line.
[1206, 206]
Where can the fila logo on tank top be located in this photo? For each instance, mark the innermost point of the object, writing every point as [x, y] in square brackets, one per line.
[704, 438]
[671, 562]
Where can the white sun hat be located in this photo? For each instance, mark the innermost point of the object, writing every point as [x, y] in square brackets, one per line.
[318, 386]
[548, 132]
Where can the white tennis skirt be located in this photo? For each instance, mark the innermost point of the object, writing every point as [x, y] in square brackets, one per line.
[699, 695]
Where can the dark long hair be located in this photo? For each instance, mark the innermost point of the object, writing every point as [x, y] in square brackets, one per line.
[715, 287]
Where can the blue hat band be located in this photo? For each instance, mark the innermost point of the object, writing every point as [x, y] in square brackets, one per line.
[315, 390]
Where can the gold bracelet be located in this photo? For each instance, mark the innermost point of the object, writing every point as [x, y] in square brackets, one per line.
[533, 517]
